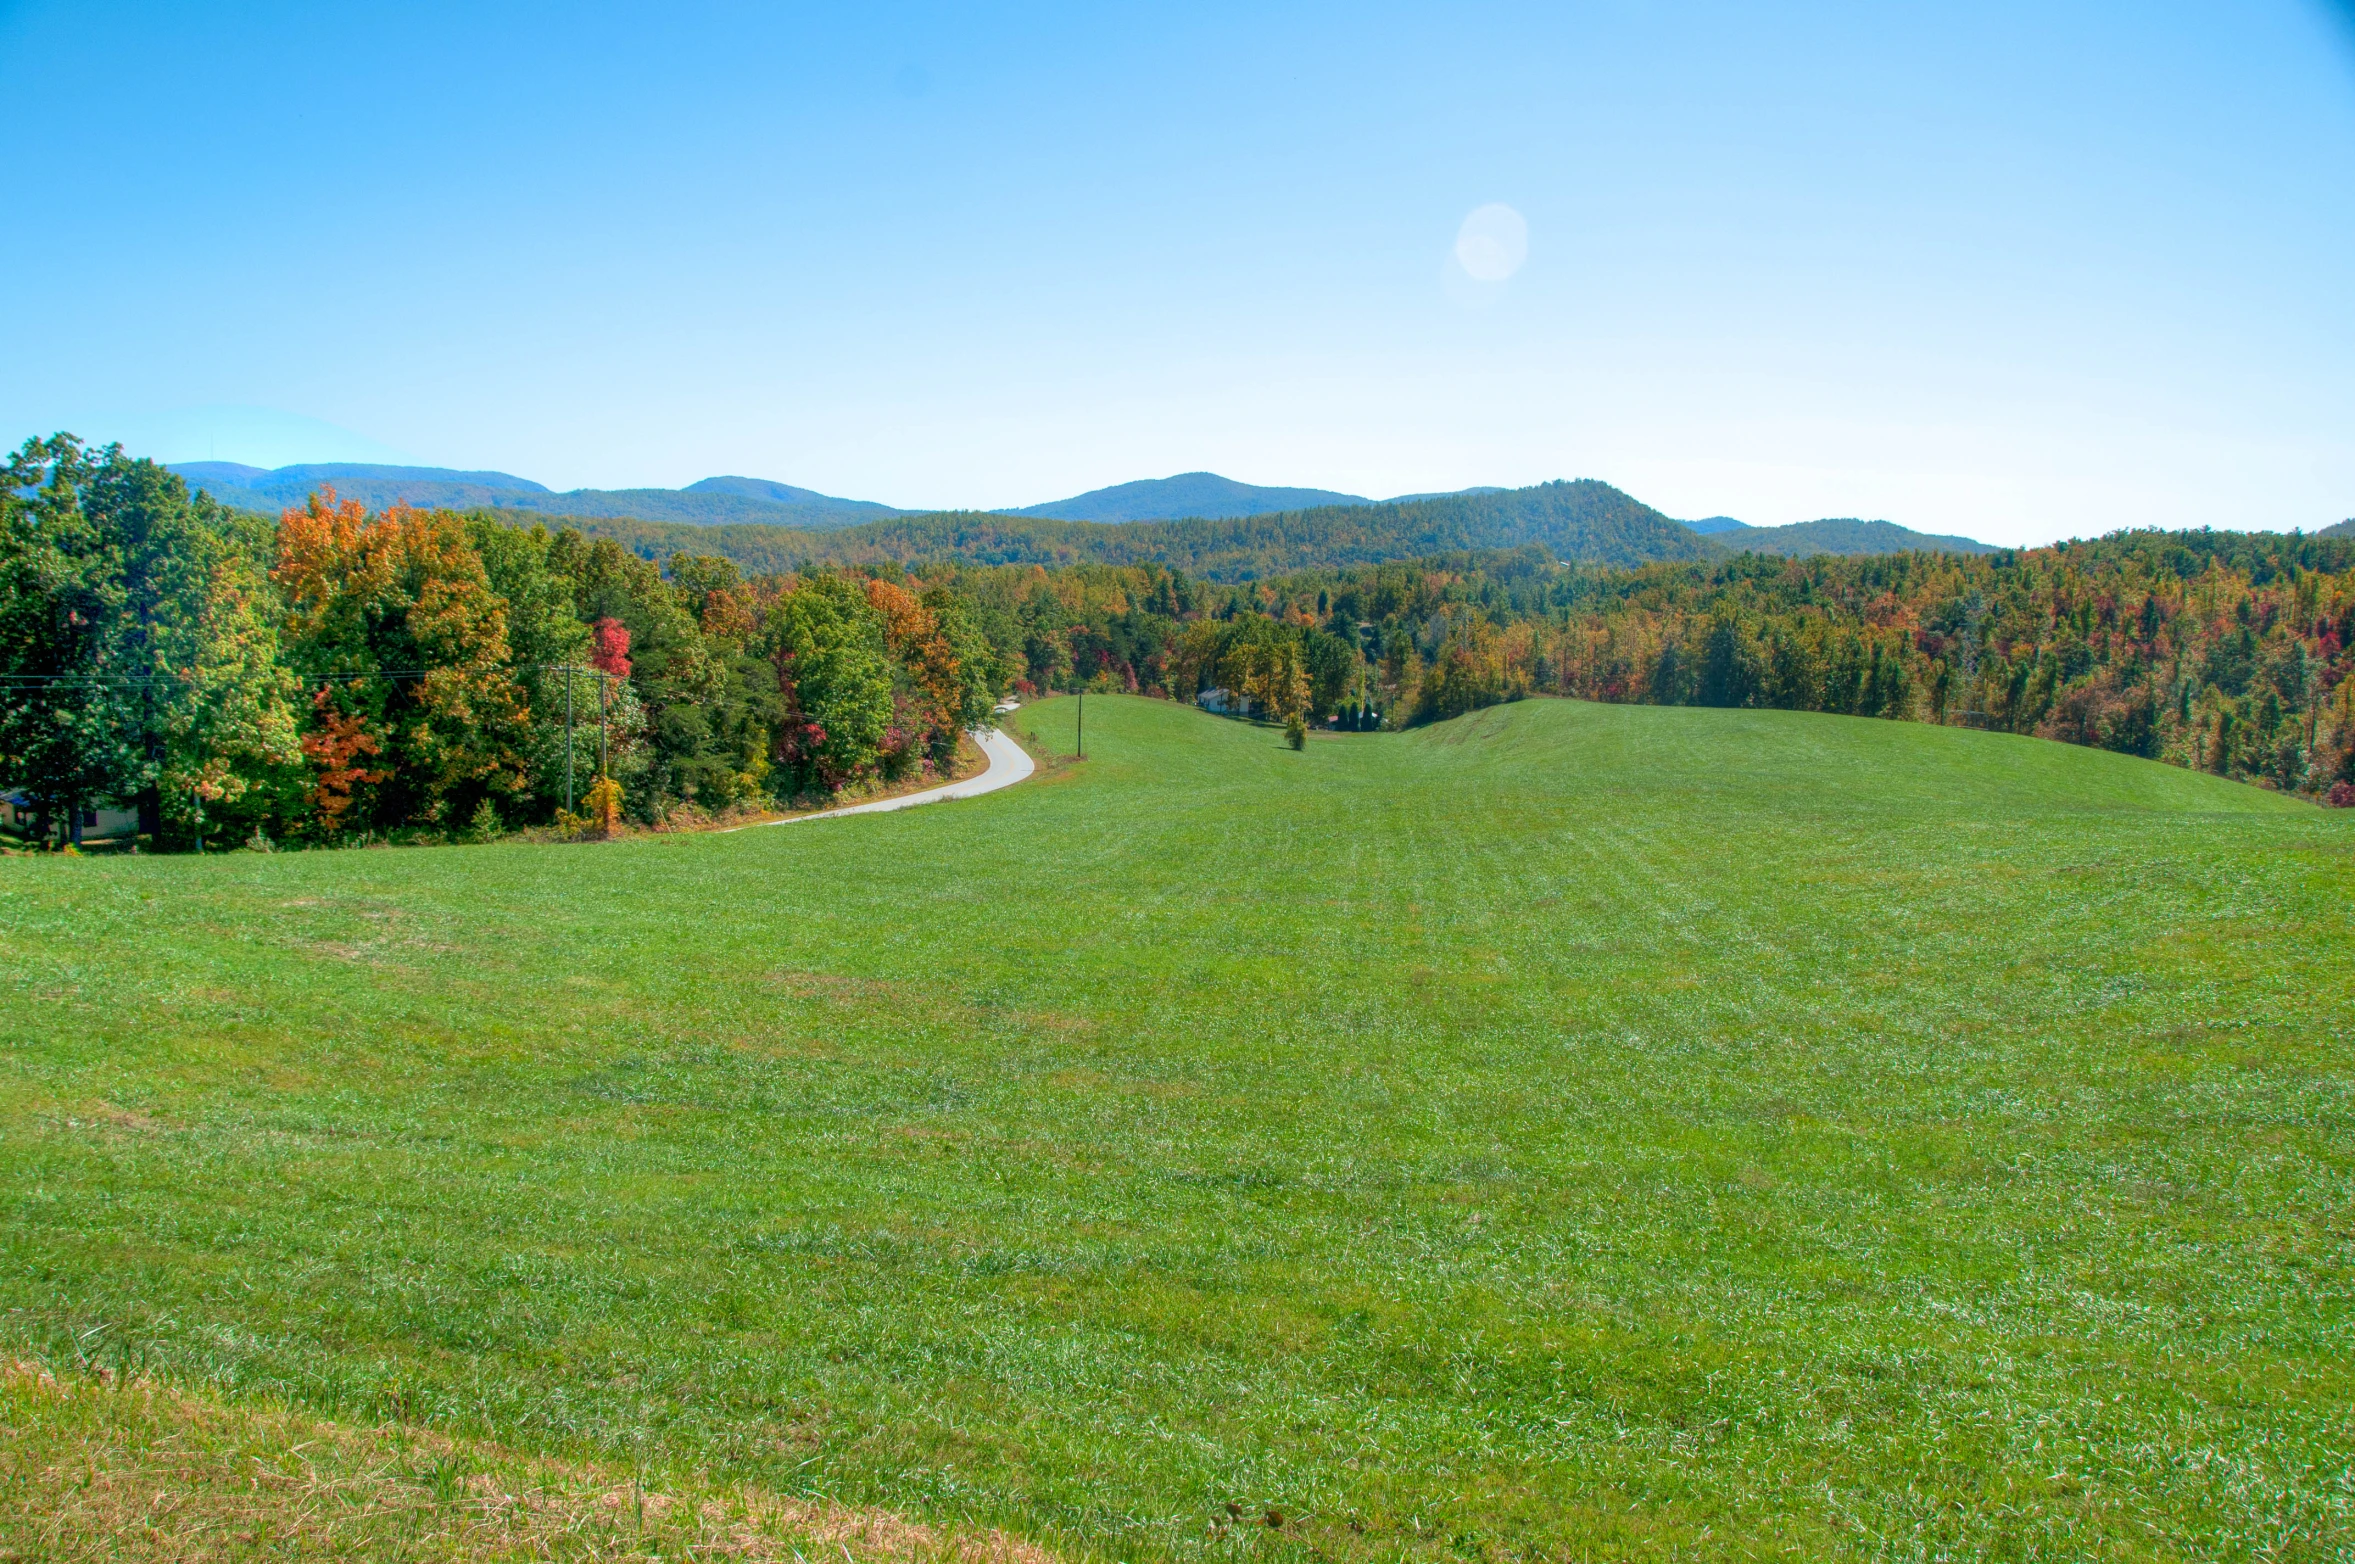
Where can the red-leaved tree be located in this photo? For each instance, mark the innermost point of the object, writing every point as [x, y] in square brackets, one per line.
[610, 648]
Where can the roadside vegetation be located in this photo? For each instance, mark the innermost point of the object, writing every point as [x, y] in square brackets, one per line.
[348, 676]
[1567, 1130]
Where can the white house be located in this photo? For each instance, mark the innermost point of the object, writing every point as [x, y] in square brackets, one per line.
[18, 814]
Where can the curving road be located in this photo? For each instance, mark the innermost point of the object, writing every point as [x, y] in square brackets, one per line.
[1009, 763]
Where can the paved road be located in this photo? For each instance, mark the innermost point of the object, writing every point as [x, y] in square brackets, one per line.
[1009, 763]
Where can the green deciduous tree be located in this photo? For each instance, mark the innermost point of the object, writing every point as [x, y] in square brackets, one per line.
[834, 675]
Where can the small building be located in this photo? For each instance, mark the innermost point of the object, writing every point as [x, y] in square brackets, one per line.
[1225, 703]
[102, 823]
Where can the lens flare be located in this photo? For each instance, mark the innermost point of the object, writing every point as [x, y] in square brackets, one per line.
[1493, 242]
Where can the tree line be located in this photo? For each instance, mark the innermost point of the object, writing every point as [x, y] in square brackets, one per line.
[343, 675]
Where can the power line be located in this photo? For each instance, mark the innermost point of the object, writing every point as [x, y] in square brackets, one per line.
[81, 681]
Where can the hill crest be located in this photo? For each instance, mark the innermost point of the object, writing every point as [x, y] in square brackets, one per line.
[1204, 496]
[708, 502]
[1841, 535]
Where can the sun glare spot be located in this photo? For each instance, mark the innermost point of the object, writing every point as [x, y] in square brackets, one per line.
[1493, 242]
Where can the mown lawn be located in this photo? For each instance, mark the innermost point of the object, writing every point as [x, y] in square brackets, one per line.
[1567, 1132]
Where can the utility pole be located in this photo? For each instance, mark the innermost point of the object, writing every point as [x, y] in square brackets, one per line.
[568, 738]
[1974, 610]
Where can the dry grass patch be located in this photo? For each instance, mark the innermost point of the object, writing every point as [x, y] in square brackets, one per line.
[101, 1469]
[837, 986]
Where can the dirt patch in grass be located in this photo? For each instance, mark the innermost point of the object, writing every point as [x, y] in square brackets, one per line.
[835, 986]
[95, 1468]
[105, 1112]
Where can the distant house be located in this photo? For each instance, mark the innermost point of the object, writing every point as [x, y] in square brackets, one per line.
[16, 813]
[1225, 703]
[21, 815]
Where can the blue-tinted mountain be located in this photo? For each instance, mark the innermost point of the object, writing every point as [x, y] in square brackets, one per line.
[1200, 521]
[2344, 529]
[1441, 494]
[219, 475]
[713, 501]
[1842, 535]
[1203, 495]
[775, 493]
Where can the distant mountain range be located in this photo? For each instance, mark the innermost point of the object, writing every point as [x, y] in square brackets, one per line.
[717, 500]
[712, 501]
[1584, 522]
[2344, 529]
[1840, 535]
[1197, 521]
[1201, 495]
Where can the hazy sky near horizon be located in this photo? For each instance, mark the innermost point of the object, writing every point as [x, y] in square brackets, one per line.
[2019, 270]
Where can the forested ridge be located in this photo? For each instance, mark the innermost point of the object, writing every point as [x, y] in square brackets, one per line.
[341, 675]
[1843, 535]
[1584, 520]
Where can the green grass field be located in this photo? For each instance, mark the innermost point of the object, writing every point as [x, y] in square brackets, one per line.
[1567, 1132]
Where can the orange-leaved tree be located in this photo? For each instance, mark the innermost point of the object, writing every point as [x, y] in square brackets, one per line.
[393, 612]
[931, 672]
[335, 746]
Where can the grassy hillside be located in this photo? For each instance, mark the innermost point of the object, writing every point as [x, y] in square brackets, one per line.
[1570, 1131]
[1585, 521]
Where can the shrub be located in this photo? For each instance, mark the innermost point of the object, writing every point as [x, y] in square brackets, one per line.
[603, 804]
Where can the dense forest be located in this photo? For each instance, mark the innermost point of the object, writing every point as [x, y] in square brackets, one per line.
[341, 675]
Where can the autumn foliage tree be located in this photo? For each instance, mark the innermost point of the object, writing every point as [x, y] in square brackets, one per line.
[395, 614]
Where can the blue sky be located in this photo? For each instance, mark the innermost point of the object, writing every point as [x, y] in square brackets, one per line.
[2018, 270]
